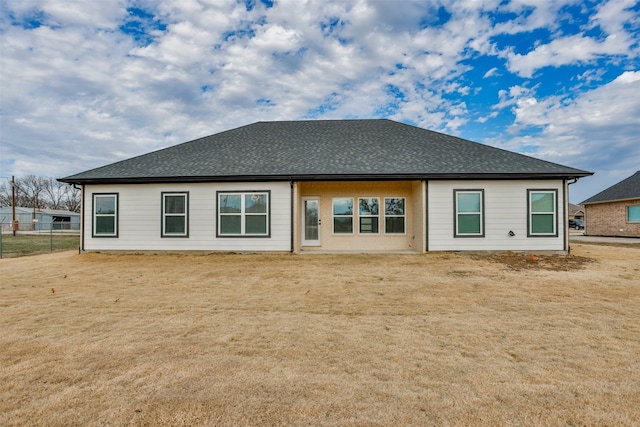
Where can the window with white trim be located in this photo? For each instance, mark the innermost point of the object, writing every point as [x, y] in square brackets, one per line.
[343, 215]
[105, 215]
[543, 212]
[243, 214]
[368, 215]
[394, 215]
[175, 214]
[469, 213]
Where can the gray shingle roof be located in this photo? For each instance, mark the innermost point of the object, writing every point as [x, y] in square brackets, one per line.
[324, 149]
[624, 190]
[573, 209]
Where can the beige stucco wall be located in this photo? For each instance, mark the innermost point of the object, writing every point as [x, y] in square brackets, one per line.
[610, 219]
[412, 240]
[419, 204]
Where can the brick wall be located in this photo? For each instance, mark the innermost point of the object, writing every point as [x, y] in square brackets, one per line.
[610, 219]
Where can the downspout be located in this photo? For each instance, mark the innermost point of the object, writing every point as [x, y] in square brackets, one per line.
[425, 192]
[81, 215]
[292, 218]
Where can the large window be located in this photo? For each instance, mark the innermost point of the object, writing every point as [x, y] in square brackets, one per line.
[105, 215]
[633, 213]
[343, 215]
[369, 215]
[243, 214]
[394, 216]
[469, 213]
[175, 214]
[543, 212]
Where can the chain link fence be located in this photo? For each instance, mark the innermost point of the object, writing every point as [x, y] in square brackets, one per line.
[28, 239]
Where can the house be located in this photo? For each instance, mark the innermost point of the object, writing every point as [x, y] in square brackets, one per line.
[30, 219]
[329, 185]
[616, 210]
[575, 211]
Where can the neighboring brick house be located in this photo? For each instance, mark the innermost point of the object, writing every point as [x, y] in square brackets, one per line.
[616, 210]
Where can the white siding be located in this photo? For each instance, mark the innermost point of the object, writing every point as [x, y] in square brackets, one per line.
[505, 209]
[139, 218]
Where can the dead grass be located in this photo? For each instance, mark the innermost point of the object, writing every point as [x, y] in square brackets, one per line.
[436, 339]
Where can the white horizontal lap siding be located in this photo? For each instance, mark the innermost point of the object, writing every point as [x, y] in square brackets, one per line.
[140, 218]
[505, 209]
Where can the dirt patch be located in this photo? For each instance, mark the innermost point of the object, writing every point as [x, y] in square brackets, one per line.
[522, 261]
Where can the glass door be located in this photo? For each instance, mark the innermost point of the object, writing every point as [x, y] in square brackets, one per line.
[311, 221]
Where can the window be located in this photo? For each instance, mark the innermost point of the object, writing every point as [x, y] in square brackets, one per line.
[469, 209]
[105, 215]
[542, 212]
[369, 215]
[343, 215]
[394, 219]
[175, 222]
[633, 213]
[243, 214]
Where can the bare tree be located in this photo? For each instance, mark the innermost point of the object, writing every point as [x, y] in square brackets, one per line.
[30, 191]
[56, 193]
[40, 193]
[72, 198]
[5, 194]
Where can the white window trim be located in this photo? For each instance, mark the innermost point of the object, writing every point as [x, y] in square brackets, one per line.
[457, 214]
[184, 215]
[403, 216]
[530, 214]
[333, 216]
[368, 216]
[96, 215]
[243, 214]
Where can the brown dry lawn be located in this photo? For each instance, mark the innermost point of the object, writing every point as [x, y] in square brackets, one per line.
[233, 339]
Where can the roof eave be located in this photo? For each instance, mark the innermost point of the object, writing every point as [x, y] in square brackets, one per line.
[323, 177]
[597, 202]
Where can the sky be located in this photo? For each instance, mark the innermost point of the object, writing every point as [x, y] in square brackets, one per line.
[84, 83]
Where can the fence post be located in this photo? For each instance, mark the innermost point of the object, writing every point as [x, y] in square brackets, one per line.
[1, 239]
[51, 237]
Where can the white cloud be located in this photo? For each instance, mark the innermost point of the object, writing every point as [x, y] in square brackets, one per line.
[627, 77]
[490, 73]
[564, 51]
[84, 93]
[592, 131]
[613, 14]
[611, 17]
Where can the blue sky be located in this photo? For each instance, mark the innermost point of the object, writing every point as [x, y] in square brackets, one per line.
[86, 83]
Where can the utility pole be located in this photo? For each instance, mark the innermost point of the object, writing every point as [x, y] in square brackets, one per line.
[13, 205]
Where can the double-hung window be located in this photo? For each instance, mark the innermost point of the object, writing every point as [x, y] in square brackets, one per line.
[633, 213]
[105, 215]
[343, 215]
[369, 215]
[543, 212]
[394, 216]
[175, 214]
[469, 213]
[243, 214]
